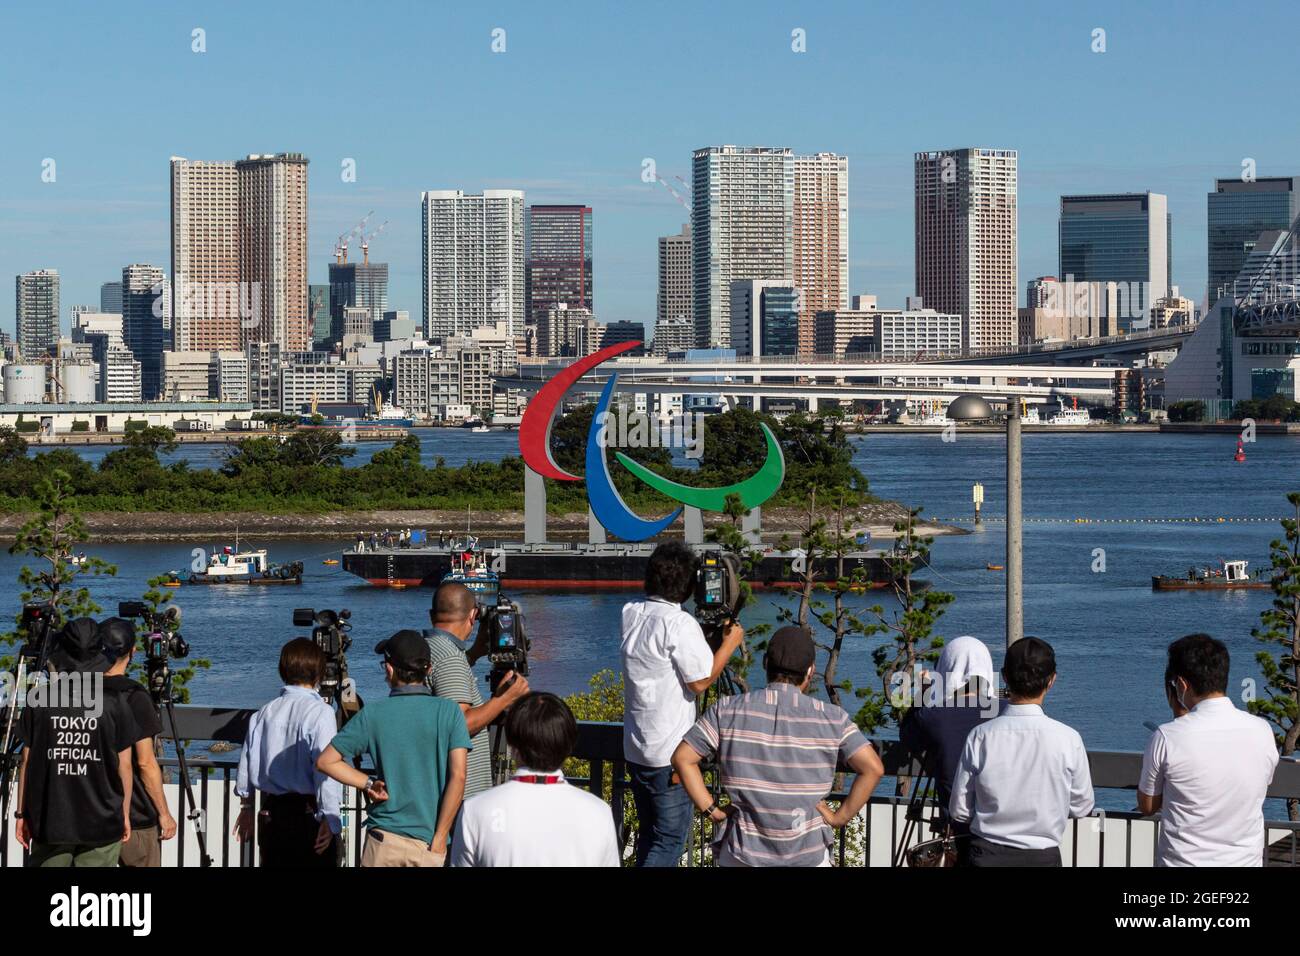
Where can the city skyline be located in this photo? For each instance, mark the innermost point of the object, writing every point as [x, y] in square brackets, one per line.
[108, 205]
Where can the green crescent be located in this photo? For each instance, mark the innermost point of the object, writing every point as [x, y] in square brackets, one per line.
[753, 491]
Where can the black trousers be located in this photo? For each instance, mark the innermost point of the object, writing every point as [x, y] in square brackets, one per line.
[985, 853]
[286, 833]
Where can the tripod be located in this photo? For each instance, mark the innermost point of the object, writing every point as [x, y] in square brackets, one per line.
[9, 750]
[160, 689]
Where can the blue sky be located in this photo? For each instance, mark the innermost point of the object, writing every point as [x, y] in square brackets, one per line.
[584, 92]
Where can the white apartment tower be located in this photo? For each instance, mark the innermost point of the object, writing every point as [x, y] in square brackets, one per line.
[36, 309]
[473, 261]
[821, 239]
[742, 228]
[966, 240]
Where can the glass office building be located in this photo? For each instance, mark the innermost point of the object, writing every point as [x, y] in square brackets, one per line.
[779, 321]
[1237, 212]
[1121, 238]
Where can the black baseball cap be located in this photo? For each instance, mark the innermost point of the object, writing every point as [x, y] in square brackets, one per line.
[116, 637]
[77, 649]
[406, 649]
[790, 651]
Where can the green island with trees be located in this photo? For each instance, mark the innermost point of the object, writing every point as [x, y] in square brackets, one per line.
[306, 471]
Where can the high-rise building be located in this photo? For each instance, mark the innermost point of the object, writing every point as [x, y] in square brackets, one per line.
[472, 265]
[557, 259]
[675, 291]
[1121, 238]
[318, 312]
[146, 323]
[1237, 212]
[742, 228]
[356, 285]
[36, 310]
[110, 297]
[239, 252]
[821, 239]
[966, 240]
[273, 247]
[764, 317]
[207, 296]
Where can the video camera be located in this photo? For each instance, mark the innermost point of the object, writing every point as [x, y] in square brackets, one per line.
[717, 594]
[36, 624]
[330, 631]
[506, 640]
[162, 642]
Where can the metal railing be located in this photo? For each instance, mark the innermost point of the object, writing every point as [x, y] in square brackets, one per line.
[1108, 838]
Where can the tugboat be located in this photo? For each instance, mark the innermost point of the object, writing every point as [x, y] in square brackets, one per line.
[1229, 576]
[230, 566]
[469, 567]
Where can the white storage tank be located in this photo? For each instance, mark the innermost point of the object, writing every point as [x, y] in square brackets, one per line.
[24, 384]
[78, 383]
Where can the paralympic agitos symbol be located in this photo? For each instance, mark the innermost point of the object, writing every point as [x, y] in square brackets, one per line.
[606, 503]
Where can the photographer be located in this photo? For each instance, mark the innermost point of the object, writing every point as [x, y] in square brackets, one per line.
[419, 746]
[74, 785]
[299, 821]
[151, 820]
[667, 663]
[454, 614]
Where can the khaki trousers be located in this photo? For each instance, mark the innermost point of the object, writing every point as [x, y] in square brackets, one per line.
[392, 849]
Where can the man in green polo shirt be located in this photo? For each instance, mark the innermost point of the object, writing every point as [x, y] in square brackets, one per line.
[420, 746]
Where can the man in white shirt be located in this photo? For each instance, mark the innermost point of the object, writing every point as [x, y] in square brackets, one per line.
[1022, 775]
[1207, 772]
[667, 663]
[536, 818]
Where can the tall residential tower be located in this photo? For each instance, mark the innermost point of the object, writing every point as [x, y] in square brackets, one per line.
[473, 261]
[966, 240]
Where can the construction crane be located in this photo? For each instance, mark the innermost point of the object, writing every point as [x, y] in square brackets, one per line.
[365, 242]
[359, 230]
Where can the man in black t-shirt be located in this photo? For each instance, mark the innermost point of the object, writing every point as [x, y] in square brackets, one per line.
[151, 820]
[74, 787]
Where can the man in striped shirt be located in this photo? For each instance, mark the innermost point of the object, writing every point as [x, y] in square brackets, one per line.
[777, 750]
[454, 615]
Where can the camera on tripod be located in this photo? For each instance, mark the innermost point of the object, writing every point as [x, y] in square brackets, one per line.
[35, 626]
[717, 594]
[162, 642]
[507, 643]
[330, 630]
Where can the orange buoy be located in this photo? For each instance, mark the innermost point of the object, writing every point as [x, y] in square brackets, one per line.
[1241, 452]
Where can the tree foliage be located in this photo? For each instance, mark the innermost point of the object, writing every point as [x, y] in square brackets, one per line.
[1280, 626]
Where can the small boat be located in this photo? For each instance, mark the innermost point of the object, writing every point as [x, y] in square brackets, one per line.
[173, 580]
[1229, 576]
[469, 567]
[229, 566]
[1070, 416]
[330, 561]
[993, 567]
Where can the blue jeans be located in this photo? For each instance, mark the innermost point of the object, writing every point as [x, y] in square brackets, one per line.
[663, 812]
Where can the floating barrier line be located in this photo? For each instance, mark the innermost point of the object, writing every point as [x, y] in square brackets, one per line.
[1001, 519]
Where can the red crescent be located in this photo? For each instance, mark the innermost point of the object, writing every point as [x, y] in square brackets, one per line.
[535, 429]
